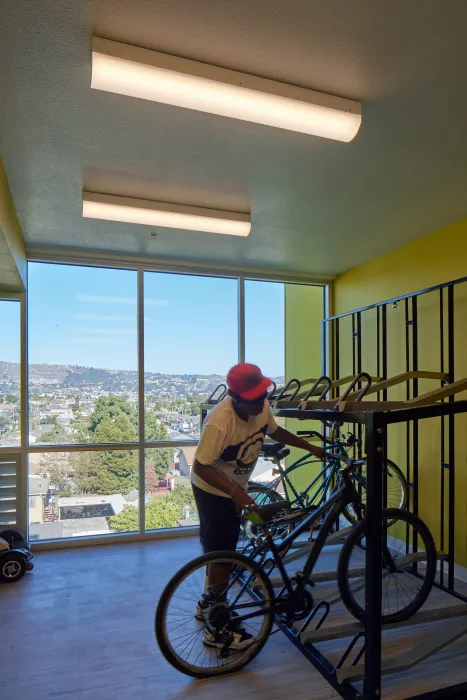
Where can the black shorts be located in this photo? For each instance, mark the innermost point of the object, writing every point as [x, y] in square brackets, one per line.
[219, 524]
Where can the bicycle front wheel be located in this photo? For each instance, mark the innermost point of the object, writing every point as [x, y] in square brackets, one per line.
[396, 489]
[408, 575]
[207, 644]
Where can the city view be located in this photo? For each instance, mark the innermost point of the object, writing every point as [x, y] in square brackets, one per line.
[83, 390]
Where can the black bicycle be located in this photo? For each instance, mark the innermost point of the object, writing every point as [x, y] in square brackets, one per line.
[246, 606]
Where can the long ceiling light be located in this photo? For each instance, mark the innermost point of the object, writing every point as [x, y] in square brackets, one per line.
[149, 213]
[149, 75]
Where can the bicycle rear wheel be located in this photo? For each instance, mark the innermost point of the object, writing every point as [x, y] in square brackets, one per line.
[396, 489]
[408, 576]
[181, 635]
[263, 496]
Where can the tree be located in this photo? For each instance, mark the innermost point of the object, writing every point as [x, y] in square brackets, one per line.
[159, 458]
[55, 436]
[113, 471]
[11, 398]
[58, 467]
[48, 420]
[183, 496]
[160, 513]
[111, 407]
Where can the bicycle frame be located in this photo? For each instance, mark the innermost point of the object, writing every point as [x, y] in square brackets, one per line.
[342, 496]
[326, 476]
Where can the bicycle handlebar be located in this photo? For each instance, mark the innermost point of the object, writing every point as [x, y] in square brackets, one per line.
[314, 433]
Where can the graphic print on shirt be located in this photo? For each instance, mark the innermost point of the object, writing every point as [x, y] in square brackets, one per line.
[245, 453]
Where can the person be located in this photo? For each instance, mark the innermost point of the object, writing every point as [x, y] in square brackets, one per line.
[231, 440]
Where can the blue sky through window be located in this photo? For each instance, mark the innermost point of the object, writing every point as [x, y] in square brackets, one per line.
[88, 316]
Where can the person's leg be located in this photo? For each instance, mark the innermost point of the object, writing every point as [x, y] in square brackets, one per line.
[227, 538]
[219, 530]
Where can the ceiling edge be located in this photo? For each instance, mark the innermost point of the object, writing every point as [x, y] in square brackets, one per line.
[98, 258]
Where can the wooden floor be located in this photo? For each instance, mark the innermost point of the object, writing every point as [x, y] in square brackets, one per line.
[80, 626]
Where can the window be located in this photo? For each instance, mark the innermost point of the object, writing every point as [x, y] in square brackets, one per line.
[168, 494]
[190, 343]
[83, 386]
[82, 354]
[10, 434]
[83, 493]
[264, 327]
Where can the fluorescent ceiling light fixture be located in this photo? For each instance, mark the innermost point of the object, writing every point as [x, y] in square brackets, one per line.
[148, 213]
[150, 75]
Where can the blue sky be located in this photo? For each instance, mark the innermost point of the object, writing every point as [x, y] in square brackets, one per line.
[87, 316]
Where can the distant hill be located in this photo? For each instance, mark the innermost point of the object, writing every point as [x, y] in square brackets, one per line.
[70, 376]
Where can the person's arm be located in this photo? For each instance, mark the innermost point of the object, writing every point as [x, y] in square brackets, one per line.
[288, 438]
[217, 480]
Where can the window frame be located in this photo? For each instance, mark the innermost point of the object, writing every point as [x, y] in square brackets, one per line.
[140, 265]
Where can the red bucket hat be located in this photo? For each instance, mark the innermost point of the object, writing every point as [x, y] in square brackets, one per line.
[248, 382]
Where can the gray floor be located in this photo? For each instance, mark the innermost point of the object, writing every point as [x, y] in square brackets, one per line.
[80, 626]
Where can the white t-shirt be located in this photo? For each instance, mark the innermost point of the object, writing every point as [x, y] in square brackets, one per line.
[231, 444]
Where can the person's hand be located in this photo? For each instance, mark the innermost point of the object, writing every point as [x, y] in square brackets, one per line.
[241, 499]
[319, 452]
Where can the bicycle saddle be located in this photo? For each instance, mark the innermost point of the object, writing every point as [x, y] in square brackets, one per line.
[276, 449]
[271, 510]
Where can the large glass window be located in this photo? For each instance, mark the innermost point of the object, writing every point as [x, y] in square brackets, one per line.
[82, 354]
[265, 327]
[83, 386]
[190, 343]
[169, 500]
[10, 373]
[79, 494]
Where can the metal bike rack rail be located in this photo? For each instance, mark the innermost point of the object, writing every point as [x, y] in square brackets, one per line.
[371, 668]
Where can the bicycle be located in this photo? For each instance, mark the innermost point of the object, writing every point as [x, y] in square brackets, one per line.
[338, 443]
[248, 597]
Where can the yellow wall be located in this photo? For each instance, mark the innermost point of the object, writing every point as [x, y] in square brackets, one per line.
[12, 246]
[304, 311]
[434, 259]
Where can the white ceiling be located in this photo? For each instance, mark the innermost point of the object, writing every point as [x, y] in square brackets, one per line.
[317, 206]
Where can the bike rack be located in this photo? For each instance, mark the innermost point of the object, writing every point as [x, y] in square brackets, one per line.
[349, 650]
[368, 663]
[285, 388]
[327, 381]
[213, 401]
[322, 604]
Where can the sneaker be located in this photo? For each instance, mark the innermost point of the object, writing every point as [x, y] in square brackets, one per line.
[233, 640]
[206, 600]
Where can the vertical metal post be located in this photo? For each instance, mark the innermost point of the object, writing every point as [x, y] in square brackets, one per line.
[141, 407]
[354, 366]
[408, 451]
[336, 355]
[241, 318]
[378, 343]
[375, 430]
[22, 474]
[451, 438]
[415, 422]
[324, 347]
[384, 343]
[442, 445]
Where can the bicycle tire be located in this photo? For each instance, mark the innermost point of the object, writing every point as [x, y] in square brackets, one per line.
[245, 526]
[353, 539]
[161, 610]
[397, 473]
[260, 488]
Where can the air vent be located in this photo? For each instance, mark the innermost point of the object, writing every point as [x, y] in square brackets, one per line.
[8, 468]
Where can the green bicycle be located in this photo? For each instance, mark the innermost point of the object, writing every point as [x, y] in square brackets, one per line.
[315, 494]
